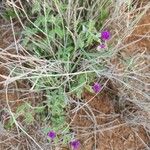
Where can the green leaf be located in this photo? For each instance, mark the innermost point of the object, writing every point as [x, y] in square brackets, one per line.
[11, 122]
[59, 32]
[36, 7]
[104, 14]
[29, 117]
[89, 88]
[39, 109]
[46, 129]
[9, 13]
[21, 108]
[30, 31]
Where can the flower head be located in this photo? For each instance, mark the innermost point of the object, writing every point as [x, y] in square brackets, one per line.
[75, 144]
[96, 87]
[105, 35]
[52, 134]
[101, 46]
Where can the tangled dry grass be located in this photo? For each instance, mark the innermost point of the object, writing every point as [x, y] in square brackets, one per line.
[118, 118]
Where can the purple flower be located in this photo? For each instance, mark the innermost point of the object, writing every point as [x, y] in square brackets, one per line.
[75, 144]
[52, 134]
[105, 35]
[101, 46]
[96, 87]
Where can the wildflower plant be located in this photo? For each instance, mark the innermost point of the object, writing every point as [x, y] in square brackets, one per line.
[63, 43]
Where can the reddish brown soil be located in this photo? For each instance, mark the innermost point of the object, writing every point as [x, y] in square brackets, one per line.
[111, 130]
[14, 93]
[142, 30]
[5, 40]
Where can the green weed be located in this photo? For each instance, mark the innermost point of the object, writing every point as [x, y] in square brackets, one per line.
[53, 37]
[66, 42]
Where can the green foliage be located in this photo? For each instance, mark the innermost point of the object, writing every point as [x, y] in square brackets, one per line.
[55, 34]
[9, 124]
[103, 15]
[57, 104]
[23, 113]
[50, 30]
[77, 86]
[9, 13]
